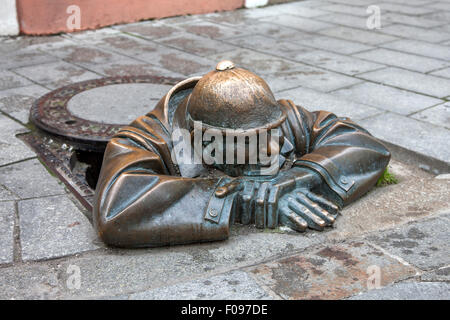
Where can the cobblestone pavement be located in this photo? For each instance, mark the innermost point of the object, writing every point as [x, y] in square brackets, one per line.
[395, 81]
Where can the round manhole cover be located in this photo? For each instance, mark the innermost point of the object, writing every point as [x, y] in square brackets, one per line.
[89, 113]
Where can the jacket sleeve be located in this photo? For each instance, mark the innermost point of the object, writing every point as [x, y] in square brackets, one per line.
[140, 201]
[349, 159]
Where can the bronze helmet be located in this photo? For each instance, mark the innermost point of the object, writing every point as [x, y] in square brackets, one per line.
[234, 98]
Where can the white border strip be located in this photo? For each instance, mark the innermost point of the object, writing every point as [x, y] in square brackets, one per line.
[255, 3]
[9, 25]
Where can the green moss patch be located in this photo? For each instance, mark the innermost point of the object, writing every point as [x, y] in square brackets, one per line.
[386, 179]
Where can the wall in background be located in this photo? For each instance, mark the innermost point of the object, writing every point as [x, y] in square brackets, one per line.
[8, 18]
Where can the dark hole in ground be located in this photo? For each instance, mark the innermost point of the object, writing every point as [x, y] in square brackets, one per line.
[88, 163]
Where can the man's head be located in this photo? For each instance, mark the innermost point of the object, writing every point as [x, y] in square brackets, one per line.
[238, 118]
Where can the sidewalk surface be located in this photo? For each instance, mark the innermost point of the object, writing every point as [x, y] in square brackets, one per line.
[394, 81]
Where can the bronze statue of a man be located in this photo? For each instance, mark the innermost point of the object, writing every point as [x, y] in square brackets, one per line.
[150, 194]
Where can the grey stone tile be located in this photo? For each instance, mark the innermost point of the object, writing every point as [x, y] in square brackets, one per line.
[197, 45]
[408, 291]
[9, 80]
[336, 62]
[314, 100]
[392, 17]
[443, 28]
[441, 5]
[364, 3]
[53, 227]
[17, 102]
[272, 30]
[6, 195]
[131, 67]
[371, 37]
[438, 15]
[150, 29]
[417, 136]
[344, 8]
[24, 57]
[309, 77]
[422, 48]
[115, 272]
[29, 179]
[28, 281]
[335, 45]
[236, 18]
[12, 149]
[416, 33]
[296, 22]
[17, 44]
[7, 210]
[349, 20]
[409, 80]
[56, 74]
[402, 60]
[281, 48]
[423, 244]
[212, 30]
[442, 73]
[236, 285]
[330, 271]
[406, 9]
[438, 115]
[300, 10]
[387, 98]
[441, 274]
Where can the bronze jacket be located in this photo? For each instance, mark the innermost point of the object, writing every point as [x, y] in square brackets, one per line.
[142, 199]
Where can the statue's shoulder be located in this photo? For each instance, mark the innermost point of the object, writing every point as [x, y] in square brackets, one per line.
[166, 107]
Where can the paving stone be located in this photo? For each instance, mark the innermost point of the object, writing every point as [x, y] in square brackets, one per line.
[438, 115]
[409, 291]
[17, 102]
[402, 8]
[236, 285]
[329, 272]
[212, 30]
[391, 17]
[343, 8]
[416, 195]
[9, 80]
[441, 274]
[409, 80]
[314, 100]
[29, 179]
[112, 104]
[411, 134]
[423, 244]
[415, 33]
[402, 60]
[336, 62]
[272, 30]
[12, 149]
[309, 77]
[439, 5]
[56, 74]
[372, 37]
[419, 47]
[438, 15]
[33, 281]
[27, 43]
[131, 67]
[197, 45]
[299, 9]
[53, 227]
[296, 22]
[24, 57]
[350, 20]
[237, 18]
[7, 210]
[335, 45]
[117, 272]
[281, 48]
[442, 73]
[387, 98]
[6, 194]
[150, 29]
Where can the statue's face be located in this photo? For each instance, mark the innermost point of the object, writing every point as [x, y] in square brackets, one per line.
[235, 155]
